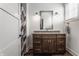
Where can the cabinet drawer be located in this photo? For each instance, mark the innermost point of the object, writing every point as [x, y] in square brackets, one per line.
[36, 44]
[60, 39]
[37, 47]
[37, 41]
[36, 36]
[61, 42]
[61, 36]
[60, 50]
[60, 46]
[37, 50]
[49, 36]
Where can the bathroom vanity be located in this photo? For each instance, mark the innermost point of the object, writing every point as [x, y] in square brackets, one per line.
[49, 42]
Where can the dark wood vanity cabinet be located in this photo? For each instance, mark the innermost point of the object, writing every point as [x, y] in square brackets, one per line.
[49, 43]
[61, 43]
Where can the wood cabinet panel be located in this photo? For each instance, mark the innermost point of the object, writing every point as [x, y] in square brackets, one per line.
[37, 50]
[61, 43]
[49, 43]
[52, 46]
[45, 46]
[48, 36]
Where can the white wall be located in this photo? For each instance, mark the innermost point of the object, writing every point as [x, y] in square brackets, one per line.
[71, 10]
[34, 22]
[73, 37]
[27, 25]
[9, 42]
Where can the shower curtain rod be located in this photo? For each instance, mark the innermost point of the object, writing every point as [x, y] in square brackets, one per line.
[9, 13]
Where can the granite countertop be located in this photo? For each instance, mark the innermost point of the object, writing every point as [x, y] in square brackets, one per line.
[47, 32]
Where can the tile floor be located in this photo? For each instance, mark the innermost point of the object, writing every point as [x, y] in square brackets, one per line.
[30, 53]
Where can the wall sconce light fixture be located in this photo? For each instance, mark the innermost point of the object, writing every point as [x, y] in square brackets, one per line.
[36, 13]
[56, 13]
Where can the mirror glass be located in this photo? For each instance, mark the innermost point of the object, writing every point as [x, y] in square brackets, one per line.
[46, 20]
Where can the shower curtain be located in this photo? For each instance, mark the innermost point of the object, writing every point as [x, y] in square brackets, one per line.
[23, 28]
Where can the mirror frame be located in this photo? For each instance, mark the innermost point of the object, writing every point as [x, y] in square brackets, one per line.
[41, 20]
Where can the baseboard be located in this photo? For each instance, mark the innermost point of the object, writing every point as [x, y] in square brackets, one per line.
[72, 52]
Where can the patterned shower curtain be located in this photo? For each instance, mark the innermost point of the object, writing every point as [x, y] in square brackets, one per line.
[23, 28]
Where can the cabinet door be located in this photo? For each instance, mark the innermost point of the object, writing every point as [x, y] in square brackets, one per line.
[52, 45]
[45, 45]
[37, 44]
[61, 43]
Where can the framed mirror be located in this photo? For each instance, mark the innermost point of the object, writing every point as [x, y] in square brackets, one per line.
[46, 19]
